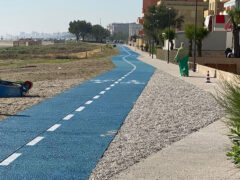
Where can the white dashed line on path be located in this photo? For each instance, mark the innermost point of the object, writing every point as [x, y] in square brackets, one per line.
[54, 127]
[10, 159]
[102, 92]
[116, 82]
[112, 85]
[107, 88]
[96, 97]
[68, 117]
[88, 102]
[80, 109]
[35, 141]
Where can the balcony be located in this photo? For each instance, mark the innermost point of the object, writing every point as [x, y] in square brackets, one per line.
[140, 20]
[140, 32]
[208, 12]
[224, 1]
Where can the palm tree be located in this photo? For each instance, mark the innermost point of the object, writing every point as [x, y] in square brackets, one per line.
[172, 35]
[189, 33]
[234, 15]
[200, 35]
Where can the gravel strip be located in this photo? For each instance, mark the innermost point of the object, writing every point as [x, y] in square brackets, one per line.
[167, 110]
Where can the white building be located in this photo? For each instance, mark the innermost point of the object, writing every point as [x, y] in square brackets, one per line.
[119, 28]
[134, 29]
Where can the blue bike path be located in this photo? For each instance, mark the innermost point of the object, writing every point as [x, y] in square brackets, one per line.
[64, 137]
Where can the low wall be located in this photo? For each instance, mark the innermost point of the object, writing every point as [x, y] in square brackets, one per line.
[163, 55]
[5, 43]
[220, 75]
[218, 62]
[225, 64]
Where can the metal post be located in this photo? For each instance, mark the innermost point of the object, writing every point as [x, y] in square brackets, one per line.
[168, 31]
[152, 48]
[149, 47]
[195, 32]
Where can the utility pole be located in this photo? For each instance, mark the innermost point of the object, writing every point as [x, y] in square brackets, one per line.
[168, 32]
[195, 40]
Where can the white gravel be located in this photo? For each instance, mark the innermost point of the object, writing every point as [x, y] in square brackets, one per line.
[168, 110]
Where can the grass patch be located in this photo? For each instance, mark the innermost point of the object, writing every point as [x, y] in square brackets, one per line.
[106, 52]
[46, 52]
[19, 63]
[58, 69]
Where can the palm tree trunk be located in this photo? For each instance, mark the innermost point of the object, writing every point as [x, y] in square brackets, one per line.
[199, 48]
[171, 45]
[190, 48]
[77, 37]
[236, 43]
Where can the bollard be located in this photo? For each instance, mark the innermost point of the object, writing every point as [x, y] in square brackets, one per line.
[208, 78]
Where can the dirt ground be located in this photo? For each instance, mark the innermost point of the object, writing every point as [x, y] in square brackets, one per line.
[51, 79]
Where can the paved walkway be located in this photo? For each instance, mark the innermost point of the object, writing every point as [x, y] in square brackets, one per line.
[201, 155]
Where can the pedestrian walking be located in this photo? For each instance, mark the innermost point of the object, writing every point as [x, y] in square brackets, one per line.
[182, 60]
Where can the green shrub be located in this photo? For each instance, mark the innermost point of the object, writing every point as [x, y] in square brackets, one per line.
[154, 49]
[146, 47]
[229, 98]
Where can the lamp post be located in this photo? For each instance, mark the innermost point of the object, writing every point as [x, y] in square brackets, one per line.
[195, 32]
[168, 31]
[164, 36]
[152, 48]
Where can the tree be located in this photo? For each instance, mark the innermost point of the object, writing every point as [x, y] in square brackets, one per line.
[119, 36]
[200, 35]
[172, 35]
[189, 33]
[161, 38]
[134, 38]
[74, 29]
[100, 33]
[80, 29]
[158, 18]
[234, 15]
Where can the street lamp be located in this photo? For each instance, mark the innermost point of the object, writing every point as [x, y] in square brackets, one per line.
[195, 32]
[152, 48]
[169, 9]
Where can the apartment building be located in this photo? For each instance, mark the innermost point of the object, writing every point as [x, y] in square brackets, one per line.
[214, 7]
[134, 29]
[186, 8]
[146, 5]
[119, 28]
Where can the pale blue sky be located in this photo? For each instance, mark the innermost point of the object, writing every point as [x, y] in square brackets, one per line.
[54, 15]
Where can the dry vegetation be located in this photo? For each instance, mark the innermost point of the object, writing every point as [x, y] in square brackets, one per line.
[51, 77]
[56, 51]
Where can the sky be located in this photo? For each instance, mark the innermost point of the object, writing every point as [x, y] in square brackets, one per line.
[49, 16]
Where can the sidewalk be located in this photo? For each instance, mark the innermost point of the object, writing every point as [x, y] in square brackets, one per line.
[201, 155]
